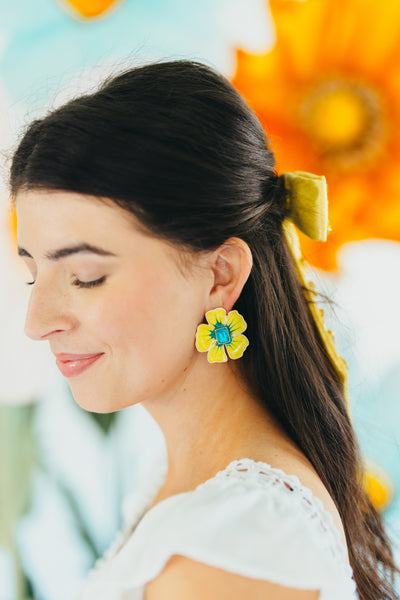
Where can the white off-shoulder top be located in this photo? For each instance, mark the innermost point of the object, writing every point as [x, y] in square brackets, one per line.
[250, 518]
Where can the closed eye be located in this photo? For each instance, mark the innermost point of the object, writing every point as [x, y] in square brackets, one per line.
[81, 284]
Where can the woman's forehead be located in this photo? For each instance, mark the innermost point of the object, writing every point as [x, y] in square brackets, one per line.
[53, 223]
[67, 208]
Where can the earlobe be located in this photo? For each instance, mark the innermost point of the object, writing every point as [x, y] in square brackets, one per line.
[232, 264]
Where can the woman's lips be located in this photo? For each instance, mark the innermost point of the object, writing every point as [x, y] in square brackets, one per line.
[70, 367]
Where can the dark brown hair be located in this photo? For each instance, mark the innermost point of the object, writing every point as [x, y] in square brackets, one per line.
[174, 143]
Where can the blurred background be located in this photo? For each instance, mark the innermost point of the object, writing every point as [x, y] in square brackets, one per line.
[324, 78]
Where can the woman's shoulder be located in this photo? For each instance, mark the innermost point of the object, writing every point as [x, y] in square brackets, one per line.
[255, 491]
[294, 464]
[283, 467]
[290, 488]
[183, 577]
[251, 519]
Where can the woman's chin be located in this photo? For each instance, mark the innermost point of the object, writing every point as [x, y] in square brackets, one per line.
[95, 405]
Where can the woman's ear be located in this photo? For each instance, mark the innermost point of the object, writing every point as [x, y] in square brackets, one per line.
[231, 265]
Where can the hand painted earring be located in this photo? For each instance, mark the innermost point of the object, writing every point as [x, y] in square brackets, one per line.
[222, 330]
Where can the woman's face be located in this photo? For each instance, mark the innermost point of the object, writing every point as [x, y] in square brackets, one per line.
[141, 317]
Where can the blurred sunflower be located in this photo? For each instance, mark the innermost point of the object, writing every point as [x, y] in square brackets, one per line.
[378, 485]
[88, 9]
[328, 95]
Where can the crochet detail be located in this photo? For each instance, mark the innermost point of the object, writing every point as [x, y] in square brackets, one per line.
[253, 473]
[248, 470]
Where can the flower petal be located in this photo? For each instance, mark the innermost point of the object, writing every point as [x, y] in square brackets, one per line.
[236, 322]
[237, 346]
[303, 57]
[217, 315]
[217, 354]
[204, 337]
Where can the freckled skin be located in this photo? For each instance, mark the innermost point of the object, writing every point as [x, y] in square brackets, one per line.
[143, 317]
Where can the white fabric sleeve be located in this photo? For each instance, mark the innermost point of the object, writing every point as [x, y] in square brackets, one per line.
[260, 532]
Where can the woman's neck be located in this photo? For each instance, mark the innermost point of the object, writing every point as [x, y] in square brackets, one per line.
[209, 419]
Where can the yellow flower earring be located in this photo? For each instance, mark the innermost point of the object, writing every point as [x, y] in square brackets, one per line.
[222, 330]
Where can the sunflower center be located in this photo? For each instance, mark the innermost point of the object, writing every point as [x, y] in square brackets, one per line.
[339, 118]
[345, 120]
[223, 335]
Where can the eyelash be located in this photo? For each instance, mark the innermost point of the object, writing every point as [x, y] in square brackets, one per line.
[81, 284]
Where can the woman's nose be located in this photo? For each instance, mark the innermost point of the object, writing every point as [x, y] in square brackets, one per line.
[47, 311]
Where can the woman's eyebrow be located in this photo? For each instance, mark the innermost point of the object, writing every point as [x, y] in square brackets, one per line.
[61, 252]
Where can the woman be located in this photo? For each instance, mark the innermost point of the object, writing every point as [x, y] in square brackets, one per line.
[159, 193]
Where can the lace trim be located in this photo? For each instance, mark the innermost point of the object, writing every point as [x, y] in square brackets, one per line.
[314, 507]
[259, 471]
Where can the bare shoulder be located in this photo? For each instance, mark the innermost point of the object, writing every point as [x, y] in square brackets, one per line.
[184, 578]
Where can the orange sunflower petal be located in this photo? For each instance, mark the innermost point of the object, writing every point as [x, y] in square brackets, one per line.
[258, 70]
[299, 27]
[91, 8]
[375, 32]
[325, 50]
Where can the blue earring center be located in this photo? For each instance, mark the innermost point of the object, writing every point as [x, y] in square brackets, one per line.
[223, 335]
